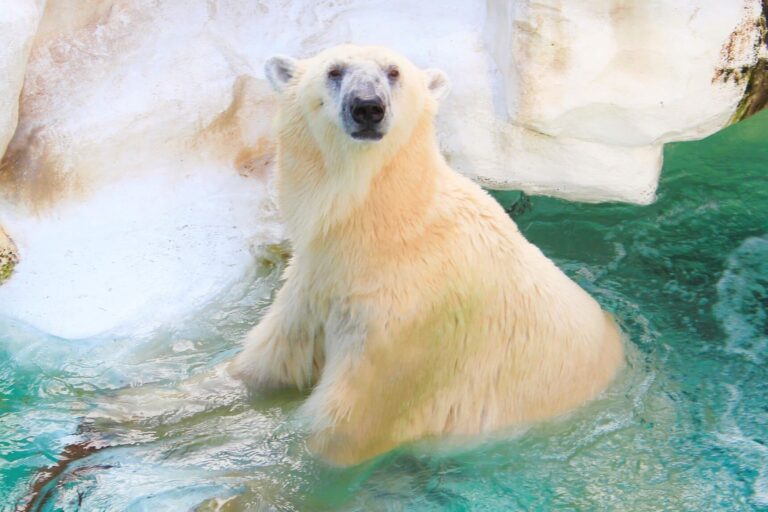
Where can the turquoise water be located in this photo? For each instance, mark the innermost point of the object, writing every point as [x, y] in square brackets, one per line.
[684, 428]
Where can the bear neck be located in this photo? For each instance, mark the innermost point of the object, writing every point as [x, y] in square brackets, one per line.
[378, 192]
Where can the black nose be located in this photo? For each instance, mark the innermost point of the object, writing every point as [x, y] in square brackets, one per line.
[367, 111]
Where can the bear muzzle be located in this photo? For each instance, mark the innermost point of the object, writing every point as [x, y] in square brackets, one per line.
[366, 117]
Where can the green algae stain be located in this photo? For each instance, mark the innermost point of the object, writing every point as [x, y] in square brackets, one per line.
[9, 257]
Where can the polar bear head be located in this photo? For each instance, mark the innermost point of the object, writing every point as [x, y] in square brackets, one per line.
[357, 96]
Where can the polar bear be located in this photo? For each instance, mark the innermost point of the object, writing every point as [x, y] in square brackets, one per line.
[412, 305]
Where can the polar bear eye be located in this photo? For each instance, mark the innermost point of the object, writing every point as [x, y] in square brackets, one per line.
[393, 73]
[334, 72]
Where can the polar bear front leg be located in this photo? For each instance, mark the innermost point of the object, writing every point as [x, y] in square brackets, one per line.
[281, 351]
[349, 414]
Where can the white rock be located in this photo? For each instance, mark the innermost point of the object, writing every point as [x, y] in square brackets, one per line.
[623, 73]
[18, 24]
[136, 182]
[137, 254]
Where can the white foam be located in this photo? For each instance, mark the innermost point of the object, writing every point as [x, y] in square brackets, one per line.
[741, 289]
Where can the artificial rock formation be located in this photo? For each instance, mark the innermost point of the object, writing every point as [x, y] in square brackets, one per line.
[629, 76]
[18, 24]
[137, 174]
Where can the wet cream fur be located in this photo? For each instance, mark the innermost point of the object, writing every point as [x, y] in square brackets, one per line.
[412, 305]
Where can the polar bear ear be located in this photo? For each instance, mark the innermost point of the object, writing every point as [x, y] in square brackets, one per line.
[437, 83]
[280, 70]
